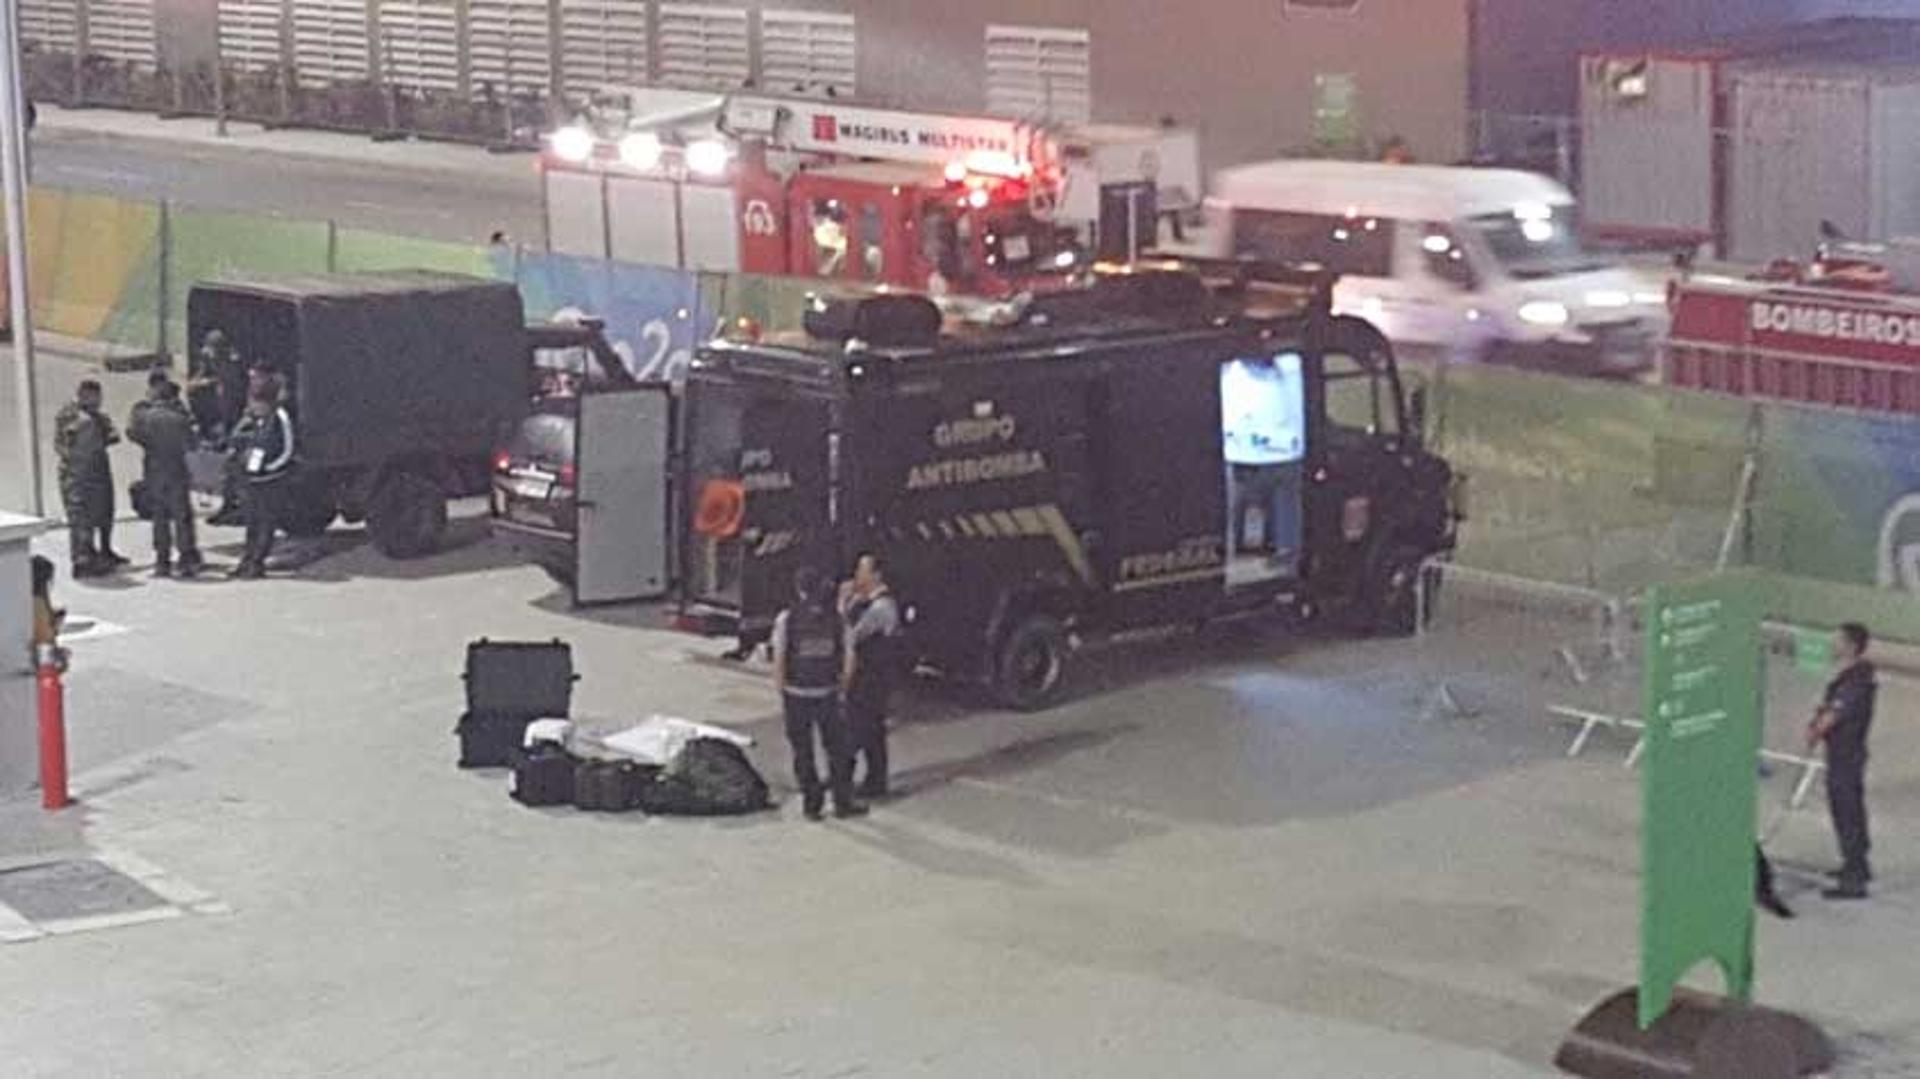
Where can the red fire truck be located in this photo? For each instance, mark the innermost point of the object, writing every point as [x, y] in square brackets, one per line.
[1843, 330]
[822, 188]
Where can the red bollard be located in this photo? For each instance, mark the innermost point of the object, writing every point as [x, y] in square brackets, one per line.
[53, 733]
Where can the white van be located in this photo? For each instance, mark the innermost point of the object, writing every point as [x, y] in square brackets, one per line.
[1471, 263]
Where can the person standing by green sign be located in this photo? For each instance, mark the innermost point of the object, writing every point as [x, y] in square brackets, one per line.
[1846, 713]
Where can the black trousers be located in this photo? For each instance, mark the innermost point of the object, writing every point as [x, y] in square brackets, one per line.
[87, 540]
[170, 529]
[90, 509]
[821, 716]
[173, 524]
[263, 521]
[867, 728]
[1847, 801]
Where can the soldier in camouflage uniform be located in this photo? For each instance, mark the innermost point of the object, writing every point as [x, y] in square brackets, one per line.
[81, 435]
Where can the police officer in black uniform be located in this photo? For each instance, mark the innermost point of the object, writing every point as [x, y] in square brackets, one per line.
[873, 617]
[813, 664]
[1846, 712]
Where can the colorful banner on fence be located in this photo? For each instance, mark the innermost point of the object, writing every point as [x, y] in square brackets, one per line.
[653, 314]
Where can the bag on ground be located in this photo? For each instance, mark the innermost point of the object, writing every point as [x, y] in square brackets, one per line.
[610, 786]
[542, 775]
[710, 777]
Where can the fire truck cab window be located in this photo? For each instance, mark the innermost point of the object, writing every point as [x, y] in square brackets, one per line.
[1360, 399]
[940, 241]
[873, 252]
[1358, 246]
[829, 237]
[1263, 422]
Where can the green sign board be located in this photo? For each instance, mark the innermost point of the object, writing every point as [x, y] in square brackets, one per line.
[1336, 111]
[1703, 712]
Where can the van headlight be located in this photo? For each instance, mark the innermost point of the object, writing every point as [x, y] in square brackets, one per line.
[1544, 313]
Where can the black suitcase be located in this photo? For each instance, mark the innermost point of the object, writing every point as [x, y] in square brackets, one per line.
[520, 678]
[487, 740]
[542, 776]
[609, 786]
[511, 684]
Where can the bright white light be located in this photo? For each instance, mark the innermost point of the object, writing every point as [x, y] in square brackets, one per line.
[993, 163]
[1654, 298]
[641, 150]
[708, 157]
[1537, 231]
[956, 171]
[1437, 244]
[1544, 313]
[1064, 260]
[978, 198]
[1533, 211]
[573, 143]
[1609, 298]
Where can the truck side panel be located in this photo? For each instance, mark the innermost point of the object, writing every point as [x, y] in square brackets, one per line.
[979, 492]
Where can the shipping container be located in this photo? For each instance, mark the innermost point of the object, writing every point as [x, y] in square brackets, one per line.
[1814, 144]
[1647, 146]
[1661, 143]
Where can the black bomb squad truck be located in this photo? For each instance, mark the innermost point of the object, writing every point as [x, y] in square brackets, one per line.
[1145, 451]
[402, 386]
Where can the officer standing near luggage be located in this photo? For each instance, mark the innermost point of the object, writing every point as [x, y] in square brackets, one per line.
[873, 618]
[1846, 713]
[813, 664]
[81, 436]
[265, 444]
[163, 428]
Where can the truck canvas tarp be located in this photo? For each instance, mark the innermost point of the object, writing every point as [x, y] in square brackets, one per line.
[400, 384]
[381, 364]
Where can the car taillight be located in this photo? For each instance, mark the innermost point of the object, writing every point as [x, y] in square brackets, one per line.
[503, 461]
[567, 475]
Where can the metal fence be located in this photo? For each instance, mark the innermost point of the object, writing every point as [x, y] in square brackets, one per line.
[485, 71]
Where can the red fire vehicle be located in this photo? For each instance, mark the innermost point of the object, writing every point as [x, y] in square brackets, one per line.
[1843, 331]
[820, 188]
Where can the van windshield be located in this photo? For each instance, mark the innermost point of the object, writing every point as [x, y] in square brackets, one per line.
[1533, 242]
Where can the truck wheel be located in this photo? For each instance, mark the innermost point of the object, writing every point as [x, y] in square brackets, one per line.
[407, 517]
[1030, 669]
[1392, 607]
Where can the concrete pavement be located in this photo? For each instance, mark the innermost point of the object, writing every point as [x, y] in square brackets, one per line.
[1233, 854]
[433, 190]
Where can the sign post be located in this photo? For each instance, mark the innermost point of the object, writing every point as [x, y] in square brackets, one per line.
[1703, 714]
[1704, 710]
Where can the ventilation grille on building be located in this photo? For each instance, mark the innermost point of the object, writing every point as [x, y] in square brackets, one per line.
[1040, 73]
[250, 33]
[420, 44]
[508, 46]
[809, 51]
[703, 46]
[330, 40]
[50, 24]
[603, 42]
[122, 30]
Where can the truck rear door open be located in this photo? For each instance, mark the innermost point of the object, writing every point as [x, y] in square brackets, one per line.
[758, 495]
[623, 442]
